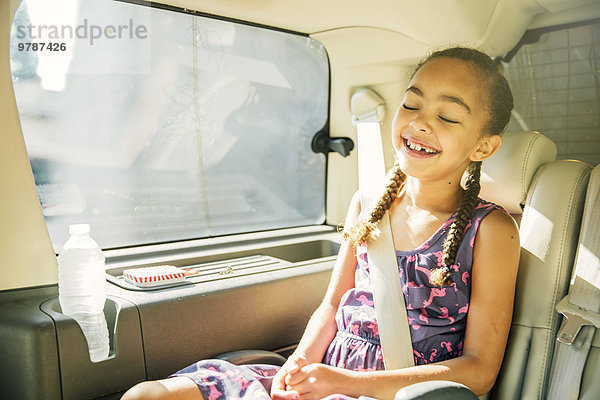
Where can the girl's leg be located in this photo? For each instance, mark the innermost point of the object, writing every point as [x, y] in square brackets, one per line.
[176, 388]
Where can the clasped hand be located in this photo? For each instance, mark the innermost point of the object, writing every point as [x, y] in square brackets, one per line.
[298, 379]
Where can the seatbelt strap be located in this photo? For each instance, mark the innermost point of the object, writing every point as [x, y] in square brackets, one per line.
[390, 308]
[581, 306]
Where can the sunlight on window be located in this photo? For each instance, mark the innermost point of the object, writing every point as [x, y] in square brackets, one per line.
[52, 65]
[207, 134]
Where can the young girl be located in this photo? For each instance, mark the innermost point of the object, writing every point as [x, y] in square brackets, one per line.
[457, 257]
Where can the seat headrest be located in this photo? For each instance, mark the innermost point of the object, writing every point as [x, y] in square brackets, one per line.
[505, 176]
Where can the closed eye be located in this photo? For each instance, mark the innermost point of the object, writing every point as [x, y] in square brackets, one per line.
[409, 108]
[447, 120]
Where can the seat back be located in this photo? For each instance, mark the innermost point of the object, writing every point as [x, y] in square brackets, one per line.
[507, 175]
[588, 256]
[552, 206]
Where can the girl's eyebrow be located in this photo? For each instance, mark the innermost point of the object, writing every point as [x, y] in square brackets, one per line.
[456, 100]
[444, 97]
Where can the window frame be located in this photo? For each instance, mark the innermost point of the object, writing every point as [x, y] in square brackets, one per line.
[142, 250]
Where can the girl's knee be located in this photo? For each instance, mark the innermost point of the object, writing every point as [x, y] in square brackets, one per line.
[150, 390]
[179, 388]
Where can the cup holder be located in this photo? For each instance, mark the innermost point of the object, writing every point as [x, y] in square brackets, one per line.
[111, 311]
[82, 378]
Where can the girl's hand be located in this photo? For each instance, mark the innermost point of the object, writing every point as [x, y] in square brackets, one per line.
[315, 381]
[278, 386]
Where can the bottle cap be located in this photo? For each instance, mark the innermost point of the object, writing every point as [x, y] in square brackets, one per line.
[79, 229]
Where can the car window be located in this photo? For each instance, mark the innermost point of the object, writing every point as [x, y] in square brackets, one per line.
[557, 92]
[157, 126]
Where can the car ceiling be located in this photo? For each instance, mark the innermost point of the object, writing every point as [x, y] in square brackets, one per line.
[493, 25]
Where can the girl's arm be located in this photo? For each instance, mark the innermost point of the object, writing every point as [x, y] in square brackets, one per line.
[495, 262]
[322, 327]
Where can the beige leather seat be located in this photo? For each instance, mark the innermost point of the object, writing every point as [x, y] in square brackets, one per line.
[588, 266]
[523, 176]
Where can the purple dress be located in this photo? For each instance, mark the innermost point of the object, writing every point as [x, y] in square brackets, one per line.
[437, 319]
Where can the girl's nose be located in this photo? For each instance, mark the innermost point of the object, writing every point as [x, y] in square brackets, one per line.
[419, 125]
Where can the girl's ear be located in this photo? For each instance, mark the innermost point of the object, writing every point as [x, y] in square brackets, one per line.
[488, 145]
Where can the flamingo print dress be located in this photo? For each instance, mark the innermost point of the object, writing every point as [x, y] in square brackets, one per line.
[437, 319]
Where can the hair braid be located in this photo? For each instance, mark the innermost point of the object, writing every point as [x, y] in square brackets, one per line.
[442, 276]
[365, 228]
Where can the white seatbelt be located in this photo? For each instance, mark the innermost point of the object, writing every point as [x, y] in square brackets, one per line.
[581, 306]
[388, 298]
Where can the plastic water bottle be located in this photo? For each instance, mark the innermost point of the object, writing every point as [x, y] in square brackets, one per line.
[81, 288]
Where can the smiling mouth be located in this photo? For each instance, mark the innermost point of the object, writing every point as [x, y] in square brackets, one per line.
[420, 148]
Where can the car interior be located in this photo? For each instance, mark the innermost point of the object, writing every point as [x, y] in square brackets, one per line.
[219, 137]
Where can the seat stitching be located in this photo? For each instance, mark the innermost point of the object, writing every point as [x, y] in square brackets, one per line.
[530, 327]
[534, 183]
[524, 165]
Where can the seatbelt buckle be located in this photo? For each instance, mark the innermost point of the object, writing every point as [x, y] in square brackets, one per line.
[576, 318]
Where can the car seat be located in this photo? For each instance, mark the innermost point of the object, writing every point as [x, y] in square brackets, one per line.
[576, 362]
[549, 230]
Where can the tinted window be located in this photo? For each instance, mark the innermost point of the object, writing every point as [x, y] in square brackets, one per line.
[556, 87]
[155, 126]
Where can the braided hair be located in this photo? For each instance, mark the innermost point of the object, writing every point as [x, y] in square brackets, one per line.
[442, 276]
[366, 228]
[499, 110]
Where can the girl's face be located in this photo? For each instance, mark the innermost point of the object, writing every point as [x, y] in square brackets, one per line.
[437, 130]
